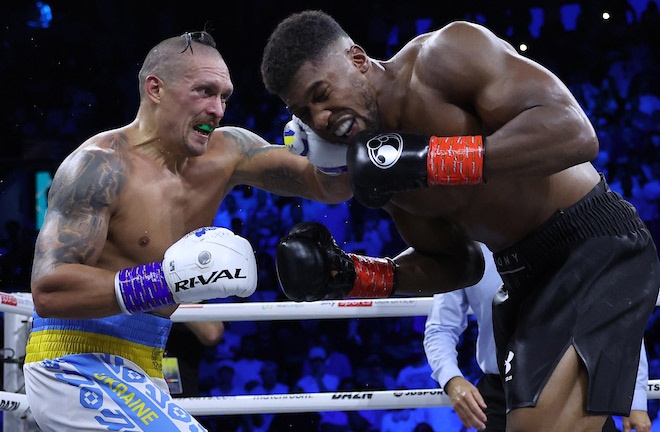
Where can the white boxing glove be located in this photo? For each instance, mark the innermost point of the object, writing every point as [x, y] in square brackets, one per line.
[328, 157]
[204, 264]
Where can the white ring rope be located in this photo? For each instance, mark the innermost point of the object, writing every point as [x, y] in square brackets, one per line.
[338, 401]
[13, 402]
[21, 304]
[302, 402]
[261, 311]
[16, 303]
[314, 402]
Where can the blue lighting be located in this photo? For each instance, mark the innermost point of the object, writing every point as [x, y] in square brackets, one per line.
[44, 16]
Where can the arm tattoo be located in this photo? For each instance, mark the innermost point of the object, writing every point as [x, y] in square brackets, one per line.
[80, 198]
[284, 181]
[280, 180]
[245, 143]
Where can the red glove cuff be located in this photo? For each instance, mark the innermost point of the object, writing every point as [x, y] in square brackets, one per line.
[374, 277]
[457, 160]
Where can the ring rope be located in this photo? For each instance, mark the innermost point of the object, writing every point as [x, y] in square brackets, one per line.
[17, 303]
[302, 402]
[337, 401]
[21, 303]
[314, 402]
[13, 401]
[286, 310]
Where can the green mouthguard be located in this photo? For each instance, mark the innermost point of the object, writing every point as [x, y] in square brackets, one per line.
[206, 128]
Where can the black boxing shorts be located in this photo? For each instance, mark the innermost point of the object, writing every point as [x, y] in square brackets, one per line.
[588, 277]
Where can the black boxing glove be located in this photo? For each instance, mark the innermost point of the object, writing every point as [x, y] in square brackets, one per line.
[381, 164]
[311, 266]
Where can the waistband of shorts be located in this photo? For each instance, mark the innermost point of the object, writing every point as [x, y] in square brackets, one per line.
[140, 338]
[602, 212]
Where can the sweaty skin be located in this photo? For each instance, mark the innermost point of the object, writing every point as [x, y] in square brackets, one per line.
[538, 141]
[124, 196]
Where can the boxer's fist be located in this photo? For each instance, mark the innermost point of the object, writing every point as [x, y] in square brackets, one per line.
[206, 263]
[380, 164]
[328, 157]
[210, 263]
[310, 265]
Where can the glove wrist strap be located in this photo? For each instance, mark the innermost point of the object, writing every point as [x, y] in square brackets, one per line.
[374, 277]
[142, 288]
[457, 160]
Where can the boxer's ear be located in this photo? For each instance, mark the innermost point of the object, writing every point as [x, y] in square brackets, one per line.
[359, 57]
[152, 87]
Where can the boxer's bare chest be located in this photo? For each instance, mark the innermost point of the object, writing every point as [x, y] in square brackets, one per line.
[156, 209]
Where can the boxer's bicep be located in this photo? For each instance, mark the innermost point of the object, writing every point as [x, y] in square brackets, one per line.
[80, 201]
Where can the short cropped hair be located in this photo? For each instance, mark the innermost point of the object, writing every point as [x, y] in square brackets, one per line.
[301, 37]
[164, 58]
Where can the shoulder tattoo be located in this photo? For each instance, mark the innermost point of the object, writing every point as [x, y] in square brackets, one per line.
[83, 190]
[248, 144]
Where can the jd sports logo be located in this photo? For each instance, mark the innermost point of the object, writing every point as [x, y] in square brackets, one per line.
[215, 276]
[385, 149]
[507, 366]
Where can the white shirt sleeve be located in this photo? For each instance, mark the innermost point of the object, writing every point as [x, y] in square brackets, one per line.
[445, 323]
[639, 402]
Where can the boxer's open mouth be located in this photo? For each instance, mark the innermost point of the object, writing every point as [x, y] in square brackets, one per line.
[204, 128]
